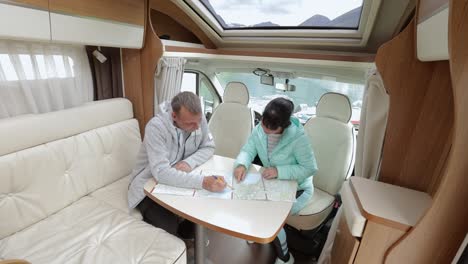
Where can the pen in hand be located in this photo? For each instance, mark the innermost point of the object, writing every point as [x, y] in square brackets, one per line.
[220, 180]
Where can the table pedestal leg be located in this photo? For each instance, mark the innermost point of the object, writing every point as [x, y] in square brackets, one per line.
[200, 244]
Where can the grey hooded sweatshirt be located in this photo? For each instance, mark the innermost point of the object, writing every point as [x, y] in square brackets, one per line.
[163, 146]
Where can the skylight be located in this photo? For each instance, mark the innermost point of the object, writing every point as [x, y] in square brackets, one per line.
[277, 14]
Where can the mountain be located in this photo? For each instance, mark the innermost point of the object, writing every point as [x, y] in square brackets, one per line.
[266, 24]
[347, 20]
[315, 21]
[235, 25]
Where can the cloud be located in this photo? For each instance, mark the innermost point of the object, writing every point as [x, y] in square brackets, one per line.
[264, 6]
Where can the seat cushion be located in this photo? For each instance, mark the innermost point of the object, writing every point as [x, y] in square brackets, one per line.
[115, 194]
[92, 231]
[314, 213]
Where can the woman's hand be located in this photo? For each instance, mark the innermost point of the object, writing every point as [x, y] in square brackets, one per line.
[270, 173]
[239, 173]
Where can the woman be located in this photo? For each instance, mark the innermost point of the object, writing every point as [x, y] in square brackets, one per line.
[285, 151]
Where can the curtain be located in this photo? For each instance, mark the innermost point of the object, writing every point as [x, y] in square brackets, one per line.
[39, 77]
[372, 128]
[168, 79]
[107, 75]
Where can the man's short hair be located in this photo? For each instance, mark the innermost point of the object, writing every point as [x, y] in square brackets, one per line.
[188, 100]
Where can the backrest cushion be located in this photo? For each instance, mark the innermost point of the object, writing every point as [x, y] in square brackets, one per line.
[93, 145]
[230, 125]
[333, 144]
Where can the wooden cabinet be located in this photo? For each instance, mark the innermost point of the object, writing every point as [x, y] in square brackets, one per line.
[432, 30]
[124, 11]
[37, 4]
[103, 23]
[390, 212]
[24, 20]
[346, 245]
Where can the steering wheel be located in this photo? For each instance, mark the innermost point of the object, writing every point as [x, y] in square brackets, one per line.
[258, 117]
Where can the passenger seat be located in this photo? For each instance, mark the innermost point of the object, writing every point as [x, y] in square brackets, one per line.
[232, 121]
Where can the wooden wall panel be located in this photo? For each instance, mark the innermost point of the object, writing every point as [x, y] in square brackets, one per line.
[345, 244]
[41, 4]
[420, 119]
[427, 8]
[440, 233]
[126, 11]
[375, 242]
[172, 10]
[131, 63]
[165, 25]
[139, 67]
[150, 55]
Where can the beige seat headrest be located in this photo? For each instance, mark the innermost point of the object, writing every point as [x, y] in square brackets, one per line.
[335, 106]
[236, 92]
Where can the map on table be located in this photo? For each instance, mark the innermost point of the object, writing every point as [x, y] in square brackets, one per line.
[253, 187]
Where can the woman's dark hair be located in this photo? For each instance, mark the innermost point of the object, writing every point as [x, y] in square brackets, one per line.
[277, 113]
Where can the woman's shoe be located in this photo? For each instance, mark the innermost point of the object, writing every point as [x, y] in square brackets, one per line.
[290, 261]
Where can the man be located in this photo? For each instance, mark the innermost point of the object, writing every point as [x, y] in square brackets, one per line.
[176, 141]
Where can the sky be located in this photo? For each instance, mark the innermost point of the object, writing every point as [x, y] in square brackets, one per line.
[282, 12]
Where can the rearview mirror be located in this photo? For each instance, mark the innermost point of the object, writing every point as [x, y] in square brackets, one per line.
[285, 87]
[267, 79]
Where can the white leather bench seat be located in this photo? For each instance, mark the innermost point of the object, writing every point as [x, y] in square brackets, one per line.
[115, 194]
[63, 189]
[92, 231]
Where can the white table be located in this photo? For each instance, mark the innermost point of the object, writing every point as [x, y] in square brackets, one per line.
[258, 221]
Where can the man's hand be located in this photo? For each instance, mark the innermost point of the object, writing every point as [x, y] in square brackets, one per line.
[214, 183]
[182, 166]
[239, 173]
[270, 173]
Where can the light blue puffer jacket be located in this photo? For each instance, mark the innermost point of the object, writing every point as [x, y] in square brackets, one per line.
[293, 157]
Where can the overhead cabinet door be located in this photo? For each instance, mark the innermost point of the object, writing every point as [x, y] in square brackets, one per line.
[25, 20]
[103, 23]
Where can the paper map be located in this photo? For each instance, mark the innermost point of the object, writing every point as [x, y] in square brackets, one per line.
[253, 187]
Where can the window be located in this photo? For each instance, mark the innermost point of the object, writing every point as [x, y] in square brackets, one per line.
[36, 67]
[206, 95]
[305, 98]
[42, 77]
[257, 14]
[189, 82]
[198, 83]
[285, 24]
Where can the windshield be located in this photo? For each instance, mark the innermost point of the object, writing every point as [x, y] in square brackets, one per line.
[305, 97]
